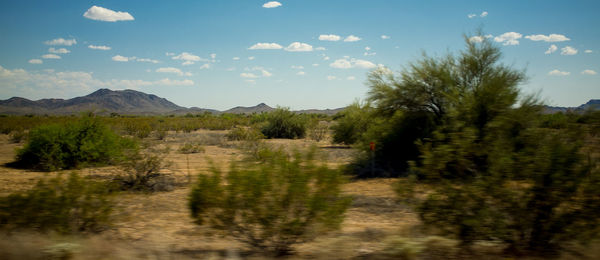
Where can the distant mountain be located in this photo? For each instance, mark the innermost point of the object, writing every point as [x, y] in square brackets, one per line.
[128, 102]
[262, 107]
[102, 101]
[593, 104]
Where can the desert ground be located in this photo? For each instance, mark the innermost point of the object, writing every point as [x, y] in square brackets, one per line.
[158, 225]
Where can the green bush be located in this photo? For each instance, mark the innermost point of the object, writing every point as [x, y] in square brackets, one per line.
[68, 205]
[352, 123]
[244, 134]
[282, 123]
[272, 205]
[85, 142]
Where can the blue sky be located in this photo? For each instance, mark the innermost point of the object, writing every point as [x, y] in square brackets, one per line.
[300, 54]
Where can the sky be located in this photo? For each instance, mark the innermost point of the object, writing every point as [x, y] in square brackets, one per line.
[300, 54]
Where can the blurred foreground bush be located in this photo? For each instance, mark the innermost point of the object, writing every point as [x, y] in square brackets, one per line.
[85, 142]
[271, 205]
[64, 205]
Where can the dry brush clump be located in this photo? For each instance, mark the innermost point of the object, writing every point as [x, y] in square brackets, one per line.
[143, 171]
[65, 205]
[271, 205]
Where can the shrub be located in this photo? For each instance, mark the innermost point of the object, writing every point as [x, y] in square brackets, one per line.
[17, 136]
[282, 123]
[68, 205]
[271, 205]
[87, 141]
[352, 123]
[318, 130]
[188, 148]
[244, 134]
[141, 172]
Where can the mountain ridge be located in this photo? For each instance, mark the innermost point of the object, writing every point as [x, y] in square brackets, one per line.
[105, 101]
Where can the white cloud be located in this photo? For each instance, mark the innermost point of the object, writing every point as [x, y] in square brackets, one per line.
[385, 37]
[369, 53]
[301, 73]
[320, 49]
[251, 81]
[187, 57]
[299, 47]
[213, 56]
[236, 58]
[61, 41]
[99, 47]
[297, 67]
[205, 66]
[271, 4]
[19, 82]
[365, 64]
[315, 65]
[329, 37]
[102, 14]
[588, 72]
[588, 51]
[471, 15]
[551, 49]
[188, 74]
[36, 61]
[509, 38]
[367, 48]
[331, 77]
[351, 78]
[559, 73]
[169, 54]
[251, 58]
[146, 60]
[230, 69]
[120, 58]
[59, 50]
[352, 63]
[352, 38]
[265, 46]
[325, 58]
[548, 38]
[248, 75]
[266, 73]
[341, 64]
[170, 70]
[483, 14]
[476, 39]
[568, 50]
[50, 56]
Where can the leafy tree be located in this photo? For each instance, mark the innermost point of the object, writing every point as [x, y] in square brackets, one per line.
[494, 173]
[272, 205]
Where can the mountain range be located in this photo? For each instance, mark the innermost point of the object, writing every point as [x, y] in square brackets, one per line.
[105, 101]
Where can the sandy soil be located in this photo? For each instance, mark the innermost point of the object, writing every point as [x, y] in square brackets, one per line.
[158, 225]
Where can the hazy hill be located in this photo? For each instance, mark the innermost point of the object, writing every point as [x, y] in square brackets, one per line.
[593, 104]
[262, 107]
[103, 100]
[123, 102]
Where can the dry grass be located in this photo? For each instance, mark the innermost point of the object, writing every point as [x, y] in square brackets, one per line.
[158, 225]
